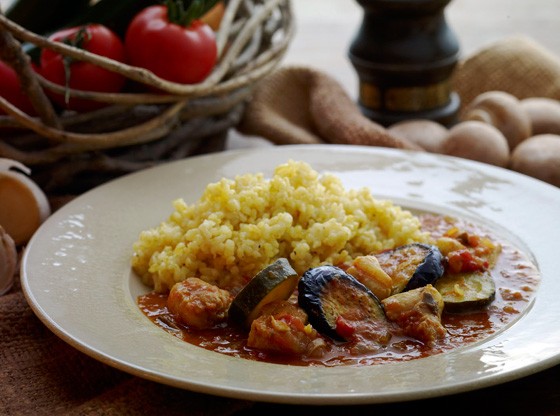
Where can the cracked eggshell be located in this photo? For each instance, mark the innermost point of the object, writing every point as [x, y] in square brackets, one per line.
[24, 205]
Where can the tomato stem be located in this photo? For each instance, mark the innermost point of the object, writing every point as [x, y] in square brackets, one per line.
[78, 40]
[184, 12]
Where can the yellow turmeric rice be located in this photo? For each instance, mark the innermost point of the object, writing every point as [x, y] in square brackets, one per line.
[240, 226]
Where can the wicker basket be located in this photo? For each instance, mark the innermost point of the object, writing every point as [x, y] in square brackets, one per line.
[69, 153]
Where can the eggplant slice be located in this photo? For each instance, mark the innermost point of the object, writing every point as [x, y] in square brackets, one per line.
[335, 302]
[275, 282]
[462, 292]
[412, 266]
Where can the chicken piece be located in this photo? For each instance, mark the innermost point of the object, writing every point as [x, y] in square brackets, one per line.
[282, 327]
[199, 304]
[418, 313]
[284, 307]
[368, 271]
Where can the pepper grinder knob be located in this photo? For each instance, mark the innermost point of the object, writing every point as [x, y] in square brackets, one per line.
[404, 54]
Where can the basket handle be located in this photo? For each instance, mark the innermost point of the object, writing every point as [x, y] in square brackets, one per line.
[13, 55]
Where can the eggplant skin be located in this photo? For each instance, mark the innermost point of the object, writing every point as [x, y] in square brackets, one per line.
[429, 271]
[327, 292]
[412, 265]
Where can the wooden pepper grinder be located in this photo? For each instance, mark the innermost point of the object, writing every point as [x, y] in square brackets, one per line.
[404, 54]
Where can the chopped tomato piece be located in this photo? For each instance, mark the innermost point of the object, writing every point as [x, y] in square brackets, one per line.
[344, 328]
[460, 261]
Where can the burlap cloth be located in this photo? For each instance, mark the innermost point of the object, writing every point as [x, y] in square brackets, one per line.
[42, 375]
[302, 105]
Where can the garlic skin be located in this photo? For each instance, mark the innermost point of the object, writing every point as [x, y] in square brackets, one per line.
[8, 261]
[24, 205]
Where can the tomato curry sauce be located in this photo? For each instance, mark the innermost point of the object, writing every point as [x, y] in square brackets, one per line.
[516, 279]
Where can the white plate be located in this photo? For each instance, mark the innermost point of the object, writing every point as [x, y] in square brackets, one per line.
[76, 276]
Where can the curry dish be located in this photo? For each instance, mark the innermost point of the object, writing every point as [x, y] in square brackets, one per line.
[452, 284]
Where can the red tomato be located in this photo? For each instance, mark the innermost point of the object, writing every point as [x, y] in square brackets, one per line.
[10, 89]
[83, 75]
[344, 328]
[173, 52]
[464, 261]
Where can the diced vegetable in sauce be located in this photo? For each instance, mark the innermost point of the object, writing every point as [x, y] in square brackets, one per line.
[465, 291]
[410, 302]
[412, 266]
[275, 282]
[339, 306]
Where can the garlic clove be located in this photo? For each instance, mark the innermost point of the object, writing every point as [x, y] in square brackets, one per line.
[8, 261]
[24, 205]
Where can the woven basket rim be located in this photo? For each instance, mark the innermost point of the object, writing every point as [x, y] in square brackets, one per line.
[233, 37]
[144, 128]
